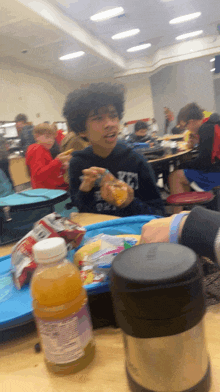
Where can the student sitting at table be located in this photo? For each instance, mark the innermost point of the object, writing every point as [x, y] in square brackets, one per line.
[180, 127]
[140, 134]
[45, 171]
[97, 110]
[204, 171]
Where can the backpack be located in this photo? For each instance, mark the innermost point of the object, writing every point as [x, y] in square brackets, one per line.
[5, 185]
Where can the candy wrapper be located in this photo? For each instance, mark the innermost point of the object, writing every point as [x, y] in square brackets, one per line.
[52, 225]
[95, 258]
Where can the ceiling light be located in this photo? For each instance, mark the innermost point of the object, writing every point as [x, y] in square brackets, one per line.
[212, 60]
[126, 34]
[107, 14]
[213, 69]
[139, 47]
[185, 18]
[72, 55]
[189, 35]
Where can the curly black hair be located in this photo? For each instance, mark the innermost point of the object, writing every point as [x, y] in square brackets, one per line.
[82, 101]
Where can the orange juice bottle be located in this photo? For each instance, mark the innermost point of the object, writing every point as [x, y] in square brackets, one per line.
[60, 309]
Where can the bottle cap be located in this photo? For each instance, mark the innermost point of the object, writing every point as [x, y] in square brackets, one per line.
[49, 250]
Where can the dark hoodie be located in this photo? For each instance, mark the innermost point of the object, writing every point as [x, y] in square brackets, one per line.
[124, 164]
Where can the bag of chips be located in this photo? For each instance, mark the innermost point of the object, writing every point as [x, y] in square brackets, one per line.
[52, 225]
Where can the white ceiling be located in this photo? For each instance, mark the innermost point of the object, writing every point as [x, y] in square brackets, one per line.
[52, 28]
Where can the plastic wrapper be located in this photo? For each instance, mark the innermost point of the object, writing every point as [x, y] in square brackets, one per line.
[52, 225]
[95, 258]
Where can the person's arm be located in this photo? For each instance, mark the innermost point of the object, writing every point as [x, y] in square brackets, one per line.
[199, 230]
[40, 169]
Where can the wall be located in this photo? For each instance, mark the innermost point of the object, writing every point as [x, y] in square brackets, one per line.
[138, 102]
[25, 90]
[217, 94]
[182, 83]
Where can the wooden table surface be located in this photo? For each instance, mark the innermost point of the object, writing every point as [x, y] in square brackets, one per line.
[171, 137]
[170, 157]
[23, 370]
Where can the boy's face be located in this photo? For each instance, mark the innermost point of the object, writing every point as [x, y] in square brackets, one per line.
[182, 124]
[102, 130]
[19, 126]
[194, 125]
[47, 140]
[141, 132]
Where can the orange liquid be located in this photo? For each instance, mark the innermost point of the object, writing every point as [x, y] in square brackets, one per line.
[58, 293]
[120, 194]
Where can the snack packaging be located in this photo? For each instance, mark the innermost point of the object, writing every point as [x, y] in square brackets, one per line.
[52, 225]
[95, 258]
[116, 187]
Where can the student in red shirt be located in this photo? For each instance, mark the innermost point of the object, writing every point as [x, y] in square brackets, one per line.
[45, 171]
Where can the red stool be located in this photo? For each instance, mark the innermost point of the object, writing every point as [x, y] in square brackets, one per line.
[190, 198]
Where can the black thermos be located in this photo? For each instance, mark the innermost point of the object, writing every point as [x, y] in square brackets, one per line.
[159, 303]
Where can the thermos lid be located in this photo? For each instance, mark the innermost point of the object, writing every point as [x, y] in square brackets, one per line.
[157, 290]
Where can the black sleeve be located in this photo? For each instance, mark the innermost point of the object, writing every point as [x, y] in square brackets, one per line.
[82, 200]
[203, 161]
[148, 199]
[201, 233]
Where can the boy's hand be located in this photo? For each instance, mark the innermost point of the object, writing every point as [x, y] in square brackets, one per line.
[63, 158]
[108, 194]
[89, 178]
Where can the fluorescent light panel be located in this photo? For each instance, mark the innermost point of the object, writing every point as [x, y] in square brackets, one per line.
[139, 47]
[189, 35]
[185, 18]
[105, 15]
[126, 34]
[72, 55]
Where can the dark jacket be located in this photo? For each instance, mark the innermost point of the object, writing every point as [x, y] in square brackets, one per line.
[124, 164]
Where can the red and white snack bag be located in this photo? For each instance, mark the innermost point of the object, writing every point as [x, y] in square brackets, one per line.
[52, 225]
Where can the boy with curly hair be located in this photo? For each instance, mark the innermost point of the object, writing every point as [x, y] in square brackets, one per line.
[96, 111]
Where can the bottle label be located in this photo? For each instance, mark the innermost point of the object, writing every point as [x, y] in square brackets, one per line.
[64, 340]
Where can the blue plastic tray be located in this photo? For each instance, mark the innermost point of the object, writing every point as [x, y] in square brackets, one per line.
[17, 309]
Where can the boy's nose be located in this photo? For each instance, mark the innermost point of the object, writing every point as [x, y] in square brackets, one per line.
[110, 122]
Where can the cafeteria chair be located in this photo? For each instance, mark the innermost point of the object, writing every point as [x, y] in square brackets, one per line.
[189, 199]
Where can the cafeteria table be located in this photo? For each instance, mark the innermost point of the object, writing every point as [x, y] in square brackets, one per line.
[22, 369]
[171, 137]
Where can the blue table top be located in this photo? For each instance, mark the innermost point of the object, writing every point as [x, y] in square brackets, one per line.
[17, 309]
